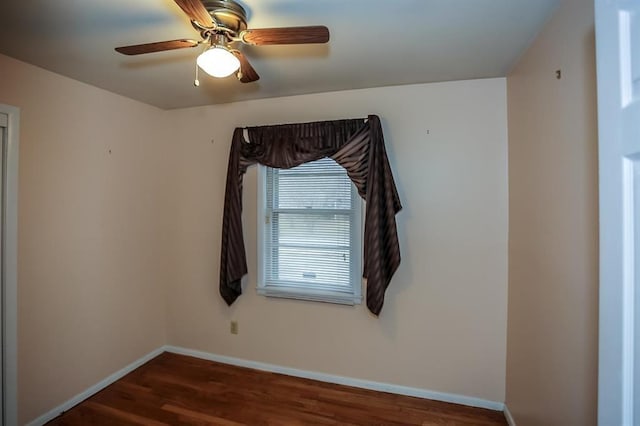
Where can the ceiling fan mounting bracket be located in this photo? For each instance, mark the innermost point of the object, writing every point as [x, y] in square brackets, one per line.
[218, 34]
[202, 28]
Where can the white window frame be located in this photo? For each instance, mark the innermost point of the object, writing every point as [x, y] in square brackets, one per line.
[264, 288]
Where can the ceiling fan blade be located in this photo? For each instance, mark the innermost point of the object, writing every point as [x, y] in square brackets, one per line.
[196, 11]
[248, 73]
[139, 49]
[288, 35]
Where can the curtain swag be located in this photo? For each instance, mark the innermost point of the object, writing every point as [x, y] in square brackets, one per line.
[355, 144]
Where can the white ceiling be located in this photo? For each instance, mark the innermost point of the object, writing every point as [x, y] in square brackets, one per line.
[373, 43]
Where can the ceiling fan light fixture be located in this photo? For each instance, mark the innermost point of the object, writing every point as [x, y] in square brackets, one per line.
[218, 61]
[221, 23]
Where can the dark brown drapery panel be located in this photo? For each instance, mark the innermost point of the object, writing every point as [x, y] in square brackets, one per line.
[358, 146]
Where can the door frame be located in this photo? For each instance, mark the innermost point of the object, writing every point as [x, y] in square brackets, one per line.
[10, 270]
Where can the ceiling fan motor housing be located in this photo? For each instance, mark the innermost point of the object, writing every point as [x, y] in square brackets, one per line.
[227, 14]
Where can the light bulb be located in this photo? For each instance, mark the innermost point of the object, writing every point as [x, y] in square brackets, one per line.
[218, 62]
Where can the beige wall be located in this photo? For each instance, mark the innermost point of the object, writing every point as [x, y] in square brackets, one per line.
[443, 326]
[553, 251]
[118, 251]
[92, 233]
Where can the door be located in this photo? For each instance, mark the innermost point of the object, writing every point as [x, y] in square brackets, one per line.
[618, 67]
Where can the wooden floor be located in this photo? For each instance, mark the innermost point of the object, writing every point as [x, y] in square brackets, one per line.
[179, 390]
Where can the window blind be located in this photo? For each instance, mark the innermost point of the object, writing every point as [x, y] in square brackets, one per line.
[311, 240]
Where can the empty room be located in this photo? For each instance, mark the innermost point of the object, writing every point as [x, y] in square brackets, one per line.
[246, 212]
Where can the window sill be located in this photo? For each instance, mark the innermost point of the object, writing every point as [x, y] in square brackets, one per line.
[312, 295]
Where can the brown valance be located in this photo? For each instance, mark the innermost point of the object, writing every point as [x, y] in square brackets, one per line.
[358, 146]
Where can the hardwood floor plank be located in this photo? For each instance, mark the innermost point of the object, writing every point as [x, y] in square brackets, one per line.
[174, 389]
[120, 415]
[213, 420]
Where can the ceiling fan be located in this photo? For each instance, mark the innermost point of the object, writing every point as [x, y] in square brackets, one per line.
[222, 24]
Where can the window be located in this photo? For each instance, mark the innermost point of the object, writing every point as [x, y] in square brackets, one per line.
[310, 233]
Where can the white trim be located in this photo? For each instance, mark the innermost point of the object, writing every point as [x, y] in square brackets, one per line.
[312, 295]
[508, 416]
[10, 300]
[341, 380]
[89, 392]
[628, 290]
[322, 377]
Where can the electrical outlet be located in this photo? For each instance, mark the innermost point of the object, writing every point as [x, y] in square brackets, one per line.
[234, 327]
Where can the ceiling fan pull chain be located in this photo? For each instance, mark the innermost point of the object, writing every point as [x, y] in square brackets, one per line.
[196, 82]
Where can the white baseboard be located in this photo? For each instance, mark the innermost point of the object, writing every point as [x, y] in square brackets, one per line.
[52, 414]
[508, 416]
[341, 380]
[322, 377]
